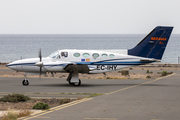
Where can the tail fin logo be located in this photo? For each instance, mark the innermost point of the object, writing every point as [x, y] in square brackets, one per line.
[156, 38]
[161, 42]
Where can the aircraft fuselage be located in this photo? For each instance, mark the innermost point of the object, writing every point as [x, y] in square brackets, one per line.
[97, 61]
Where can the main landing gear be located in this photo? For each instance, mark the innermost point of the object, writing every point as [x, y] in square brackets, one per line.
[73, 79]
[25, 82]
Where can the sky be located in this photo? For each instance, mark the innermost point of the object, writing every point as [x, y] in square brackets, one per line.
[87, 16]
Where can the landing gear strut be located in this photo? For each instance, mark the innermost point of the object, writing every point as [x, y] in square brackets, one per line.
[25, 82]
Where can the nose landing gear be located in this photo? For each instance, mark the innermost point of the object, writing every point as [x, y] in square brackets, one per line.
[25, 82]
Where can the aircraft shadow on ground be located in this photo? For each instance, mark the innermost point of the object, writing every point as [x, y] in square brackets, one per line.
[93, 85]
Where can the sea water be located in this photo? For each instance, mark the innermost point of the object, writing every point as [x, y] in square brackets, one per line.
[14, 47]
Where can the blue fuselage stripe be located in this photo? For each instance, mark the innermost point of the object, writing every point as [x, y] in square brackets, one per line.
[87, 63]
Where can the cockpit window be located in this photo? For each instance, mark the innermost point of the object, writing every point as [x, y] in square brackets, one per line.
[64, 54]
[54, 54]
[58, 57]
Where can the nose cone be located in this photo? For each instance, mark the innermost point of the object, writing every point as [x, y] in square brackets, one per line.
[15, 65]
[23, 65]
[11, 66]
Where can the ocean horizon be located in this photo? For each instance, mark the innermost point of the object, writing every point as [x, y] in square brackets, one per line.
[16, 46]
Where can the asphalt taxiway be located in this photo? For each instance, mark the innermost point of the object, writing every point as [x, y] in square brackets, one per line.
[153, 99]
[59, 88]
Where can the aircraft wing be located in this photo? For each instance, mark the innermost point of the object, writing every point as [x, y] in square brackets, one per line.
[79, 68]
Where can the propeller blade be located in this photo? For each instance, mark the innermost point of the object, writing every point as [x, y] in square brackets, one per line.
[40, 72]
[40, 56]
[40, 63]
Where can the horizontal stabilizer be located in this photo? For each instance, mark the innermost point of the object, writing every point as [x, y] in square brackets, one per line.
[150, 60]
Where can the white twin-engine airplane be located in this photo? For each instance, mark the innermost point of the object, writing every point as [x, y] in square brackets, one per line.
[149, 50]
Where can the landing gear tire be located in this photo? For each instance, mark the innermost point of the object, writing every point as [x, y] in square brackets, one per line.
[77, 83]
[25, 82]
[70, 83]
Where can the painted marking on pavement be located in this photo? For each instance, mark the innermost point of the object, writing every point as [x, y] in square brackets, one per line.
[139, 84]
[56, 108]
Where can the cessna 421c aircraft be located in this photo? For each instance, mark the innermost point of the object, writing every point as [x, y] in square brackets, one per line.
[149, 50]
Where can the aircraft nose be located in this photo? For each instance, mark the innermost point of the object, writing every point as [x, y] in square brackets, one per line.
[11, 65]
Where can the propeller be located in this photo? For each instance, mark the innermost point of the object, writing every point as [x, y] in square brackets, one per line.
[40, 57]
[40, 63]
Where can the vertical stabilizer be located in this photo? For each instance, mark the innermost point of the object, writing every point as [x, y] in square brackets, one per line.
[154, 44]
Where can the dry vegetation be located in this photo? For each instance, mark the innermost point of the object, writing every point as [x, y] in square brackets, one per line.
[13, 110]
[29, 104]
[11, 114]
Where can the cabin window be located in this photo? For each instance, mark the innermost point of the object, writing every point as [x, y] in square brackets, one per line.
[64, 54]
[76, 54]
[104, 55]
[95, 55]
[111, 55]
[86, 55]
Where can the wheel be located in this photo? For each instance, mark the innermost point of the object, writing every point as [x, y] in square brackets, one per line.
[25, 82]
[70, 83]
[77, 83]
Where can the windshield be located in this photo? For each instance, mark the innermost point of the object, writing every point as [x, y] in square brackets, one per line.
[54, 54]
